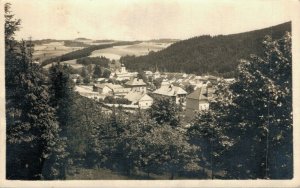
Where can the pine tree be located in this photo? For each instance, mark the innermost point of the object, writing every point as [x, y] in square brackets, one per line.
[62, 94]
[31, 125]
[97, 72]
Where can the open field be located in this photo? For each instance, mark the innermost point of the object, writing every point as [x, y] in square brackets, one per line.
[52, 49]
[95, 42]
[81, 173]
[106, 174]
[142, 48]
[95, 174]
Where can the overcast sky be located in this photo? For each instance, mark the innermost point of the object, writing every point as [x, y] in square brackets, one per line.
[144, 19]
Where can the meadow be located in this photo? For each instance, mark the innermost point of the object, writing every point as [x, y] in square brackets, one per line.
[139, 49]
[52, 49]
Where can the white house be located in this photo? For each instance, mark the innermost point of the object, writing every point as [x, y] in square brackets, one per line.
[141, 99]
[136, 84]
[110, 89]
[102, 88]
[168, 90]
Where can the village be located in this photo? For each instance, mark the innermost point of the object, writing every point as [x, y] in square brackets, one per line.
[133, 90]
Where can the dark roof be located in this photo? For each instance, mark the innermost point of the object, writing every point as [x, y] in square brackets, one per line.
[135, 82]
[201, 93]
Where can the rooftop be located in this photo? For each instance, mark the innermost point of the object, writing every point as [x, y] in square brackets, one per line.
[135, 82]
[135, 96]
[201, 93]
[170, 90]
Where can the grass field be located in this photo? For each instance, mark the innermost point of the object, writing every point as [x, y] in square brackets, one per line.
[106, 174]
[52, 49]
[142, 48]
[95, 174]
[81, 173]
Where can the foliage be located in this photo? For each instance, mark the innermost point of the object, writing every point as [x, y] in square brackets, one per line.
[32, 129]
[252, 117]
[106, 73]
[167, 150]
[115, 100]
[97, 72]
[84, 130]
[11, 25]
[72, 43]
[86, 80]
[157, 82]
[165, 110]
[142, 145]
[61, 87]
[101, 61]
[189, 89]
[84, 72]
[263, 93]
[142, 75]
[208, 131]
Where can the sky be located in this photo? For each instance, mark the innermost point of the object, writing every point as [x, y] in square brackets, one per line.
[144, 19]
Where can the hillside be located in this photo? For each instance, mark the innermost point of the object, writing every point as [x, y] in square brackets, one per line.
[206, 54]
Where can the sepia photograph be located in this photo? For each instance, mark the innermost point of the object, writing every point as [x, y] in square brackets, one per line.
[149, 90]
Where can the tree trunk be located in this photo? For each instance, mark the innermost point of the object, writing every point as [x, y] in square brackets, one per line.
[172, 176]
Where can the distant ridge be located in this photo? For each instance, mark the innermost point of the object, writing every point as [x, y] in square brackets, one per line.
[217, 55]
[82, 38]
[164, 40]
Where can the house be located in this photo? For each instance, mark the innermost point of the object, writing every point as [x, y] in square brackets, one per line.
[102, 88]
[141, 99]
[136, 84]
[168, 90]
[212, 79]
[110, 89]
[87, 91]
[198, 100]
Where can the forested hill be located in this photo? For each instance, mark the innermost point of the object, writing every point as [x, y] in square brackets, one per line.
[207, 54]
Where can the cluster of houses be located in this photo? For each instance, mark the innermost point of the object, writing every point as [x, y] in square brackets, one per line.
[172, 86]
[133, 90]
